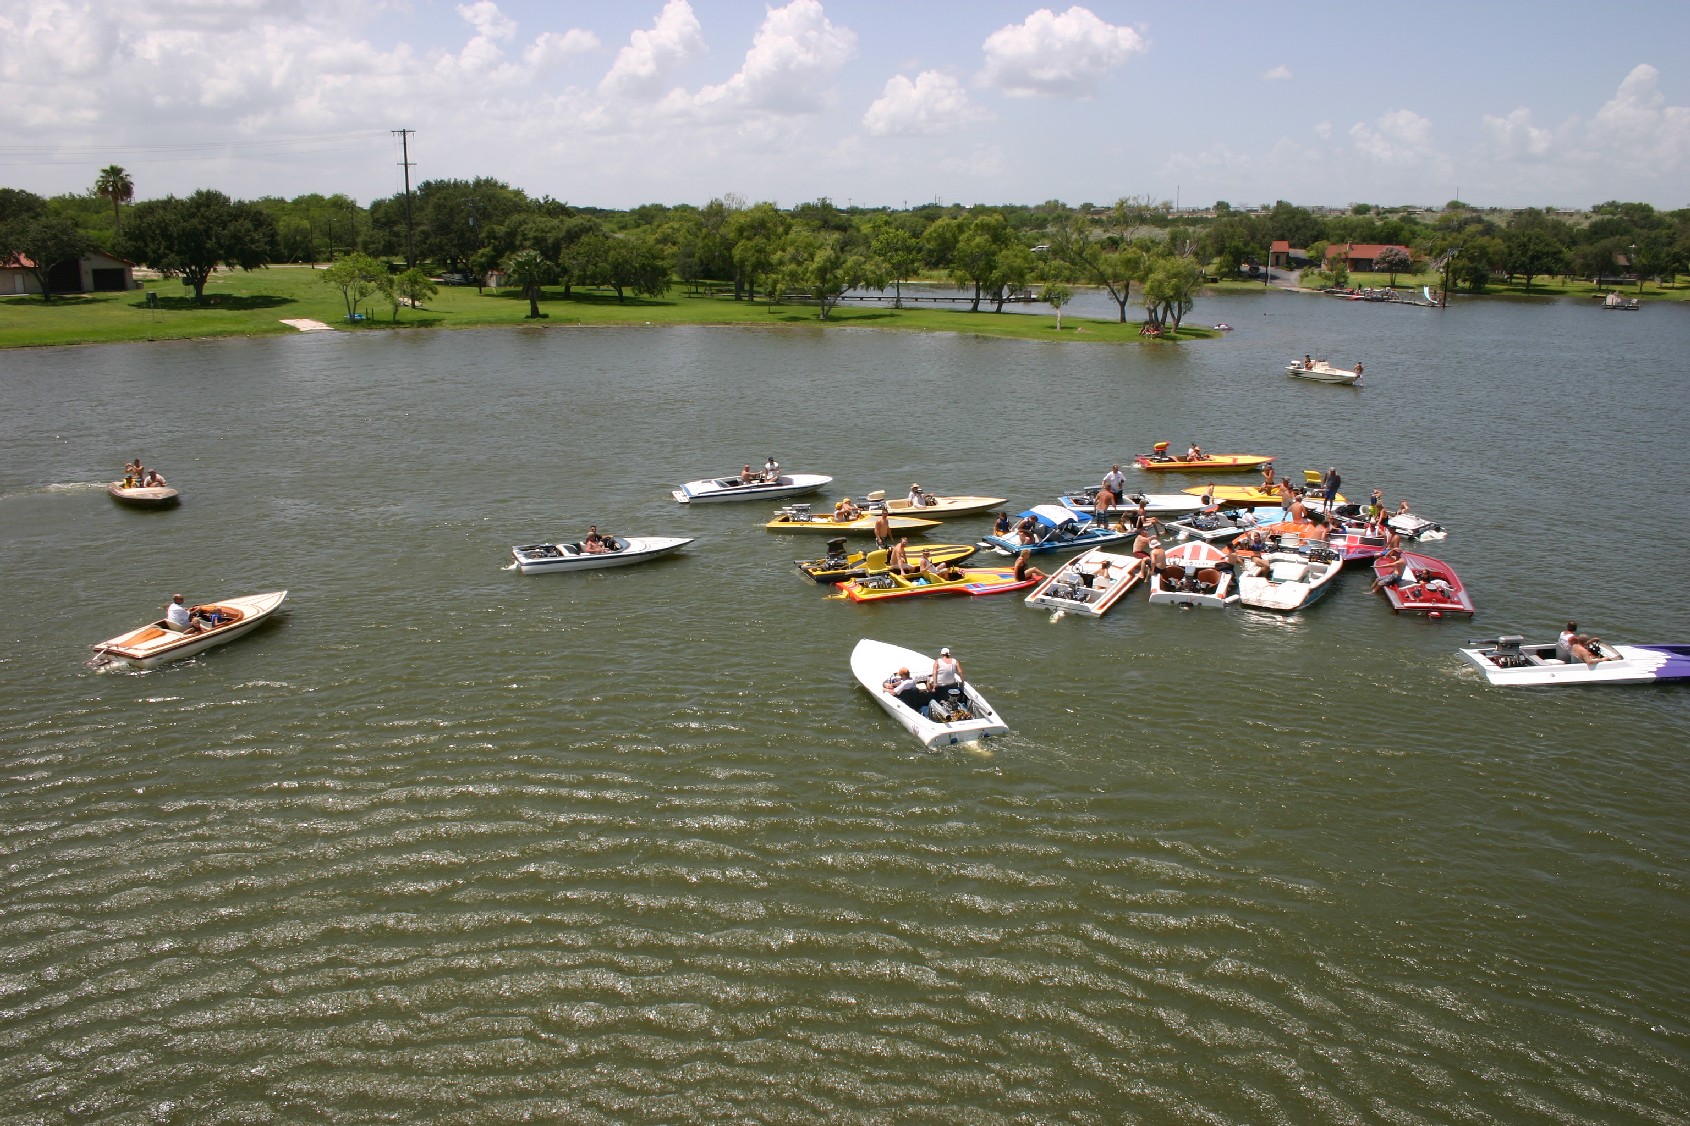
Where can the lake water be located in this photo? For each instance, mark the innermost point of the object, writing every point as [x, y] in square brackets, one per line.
[449, 843]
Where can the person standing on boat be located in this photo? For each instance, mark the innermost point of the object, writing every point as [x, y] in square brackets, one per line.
[1115, 481]
[882, 530]
[1330, 484]
[947, 674]
[1102, 503]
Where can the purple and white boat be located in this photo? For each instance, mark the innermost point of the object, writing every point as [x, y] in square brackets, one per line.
[1511, 661]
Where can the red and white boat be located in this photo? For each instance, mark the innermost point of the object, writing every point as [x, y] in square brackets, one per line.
[1191, 576]
[1429, 586]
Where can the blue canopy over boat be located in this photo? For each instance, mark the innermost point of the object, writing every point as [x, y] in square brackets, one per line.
[1060, 529]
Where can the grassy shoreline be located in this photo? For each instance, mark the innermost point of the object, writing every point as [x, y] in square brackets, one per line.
[254, 304]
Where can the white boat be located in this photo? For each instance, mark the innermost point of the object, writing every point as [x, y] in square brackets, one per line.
[1223, 526]
[1089, 584]
[1160, 505]
[1322, 372]
[160, 642]
[717, 489]
[1510, 661]
[934, 508]
[873, 661]
[1287, 580]
[573, 556]
[1192, 577]
[155, 496]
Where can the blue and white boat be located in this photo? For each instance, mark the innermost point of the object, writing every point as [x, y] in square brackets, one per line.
[1225, 525]
[1056, 529]
[1510, 661]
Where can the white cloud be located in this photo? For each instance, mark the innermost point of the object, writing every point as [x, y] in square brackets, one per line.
[789, 68]
[551, 49]
[1323, 130]
[935, 103]
[1515, 136]
[1280, 73]
[1636, 125]
[1065, 56]
[1399, 139]
[643, 66]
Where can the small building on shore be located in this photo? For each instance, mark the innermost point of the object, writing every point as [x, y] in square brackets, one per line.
[94, 272]
[1358, 257]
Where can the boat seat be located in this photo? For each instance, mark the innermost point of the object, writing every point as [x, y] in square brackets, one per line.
[1313, 477]
[1288, 571]
[1172, 577]
[1209, 577]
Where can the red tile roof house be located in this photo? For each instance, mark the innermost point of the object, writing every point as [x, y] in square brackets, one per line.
[94, 272]
[1283, 256]
[1359, 256]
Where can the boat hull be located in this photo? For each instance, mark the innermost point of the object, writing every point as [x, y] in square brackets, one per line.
[1075, 589]
[873, 661]
[719, 490]
[1292, 583]
[823, 522]
[536, 558]
[941, 508]
[977, 581]
[157, 497]
[156, 644]
[1529, 666]
[1322, 373]
[1192, 579]
[1155, 504]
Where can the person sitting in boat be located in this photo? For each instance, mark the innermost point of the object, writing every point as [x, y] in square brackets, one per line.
[594, 543]
[906, 688]
[1158, 556]
[844, 512]
[1574, 646]
[153, 480]
[1398, 573]
[745, 477]
[1308, 362]
[1244, 518]
[179, 617]
[898, 559]
[1024, 568]
[1267, 478]
[771, 470]
[1027, 530]
[1195, 453]
[1001, 526]
[950, 572]
[919, 499]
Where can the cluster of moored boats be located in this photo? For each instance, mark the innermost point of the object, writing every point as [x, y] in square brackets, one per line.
[1273, 546]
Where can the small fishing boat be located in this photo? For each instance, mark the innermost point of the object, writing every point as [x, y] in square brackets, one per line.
[158, 496]
[1162, 505]
[932, 508]
[1615, 302]
[1288, 580]
[1429, 586]
[885, 585]
[1322, 372]
[1159, 460]
[1510, 661]
[799, 518]
[620, 551]
[160, 642]
[1055, 529]
[717, 489]
[874, 662]
[1192, 577]
[1089, 584]
[839, 565]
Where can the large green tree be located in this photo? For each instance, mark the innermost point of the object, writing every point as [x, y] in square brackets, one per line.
[1393, 260]
[193, 236]
[1170, 290]
[358, 277]
[819, 261]
[530, 270]
[1531, 252]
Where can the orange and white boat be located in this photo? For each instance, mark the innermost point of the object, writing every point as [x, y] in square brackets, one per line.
[160, 642]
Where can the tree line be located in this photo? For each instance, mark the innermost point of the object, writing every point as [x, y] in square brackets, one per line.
[1138, 250]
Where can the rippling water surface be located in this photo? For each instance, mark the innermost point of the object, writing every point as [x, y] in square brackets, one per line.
[448, 843]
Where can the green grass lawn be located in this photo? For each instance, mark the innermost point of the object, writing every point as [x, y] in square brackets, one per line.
[252, 304]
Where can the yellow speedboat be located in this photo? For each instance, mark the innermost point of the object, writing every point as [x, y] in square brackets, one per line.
[838, 565]
[932, 507]
[799, 518]
[1247, 496]
[1161, 461]
[969, 580]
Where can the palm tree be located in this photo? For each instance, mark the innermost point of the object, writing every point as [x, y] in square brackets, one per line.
[530, 270]
[114, 184]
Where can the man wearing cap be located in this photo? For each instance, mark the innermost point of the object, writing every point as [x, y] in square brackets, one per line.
[946, 679]
[917, 498]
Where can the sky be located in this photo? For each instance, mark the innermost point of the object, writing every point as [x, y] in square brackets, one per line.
[865, 102]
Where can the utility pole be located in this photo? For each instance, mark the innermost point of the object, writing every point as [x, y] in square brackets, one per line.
[410, 228]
